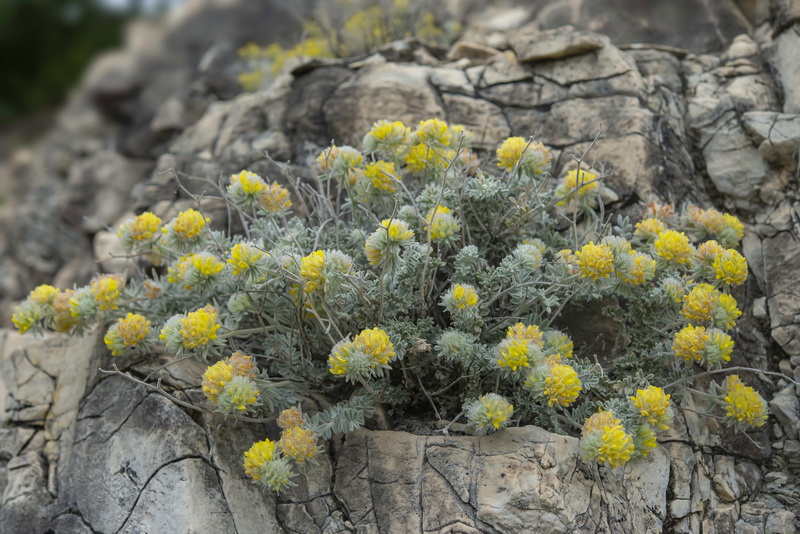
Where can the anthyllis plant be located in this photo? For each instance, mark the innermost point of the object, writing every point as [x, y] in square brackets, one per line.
[419, 285]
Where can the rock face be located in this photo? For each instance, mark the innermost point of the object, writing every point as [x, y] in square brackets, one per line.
[85, 452]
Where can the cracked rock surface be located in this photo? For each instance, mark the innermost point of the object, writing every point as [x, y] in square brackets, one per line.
[708, 116]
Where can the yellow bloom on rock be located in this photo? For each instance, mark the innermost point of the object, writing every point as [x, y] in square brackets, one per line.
[376, 343]
[433, 131]
[674, 247]
[106, 290]
[298, 444]
[215, 378]
[518, 152]
[207, 264]
[576, 185]
[44, 295]
[562, 385]
[327, 157]
[199, 327]
[706, 305]
[616, 448]
[257, 457]
[243, 258]
[595, 261]
[128, 332]
[731, 267]
[743, 404]
[653, 405]
[386, 135]
[690, 343]
[600, 421]
[290, 417]
[490, 412]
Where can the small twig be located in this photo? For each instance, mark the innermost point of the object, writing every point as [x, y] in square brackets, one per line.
[157, 369]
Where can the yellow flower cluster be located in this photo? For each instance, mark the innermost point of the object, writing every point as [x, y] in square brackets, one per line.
[605, 440]
[383, 242]
[649, 228]
[106, 291]
[711, 346]
[275, 198]
[127, 334]
[370, 350]
[263, 463]
[383, 176]
[298, 444]
[578, 188]
[290, 417]
[530, 157]
[244, 259]
[442, 224]
[562, 385]
[464, 296]
[706, 305]
[311, 268]
[228, 383]
[743, 404]
[490, 412]
[595, 261]
[199, 327]
[386, 135]
[422, 156]
[521, 332]
[726, 227]
[674, 247]
[259, 454]
[654, 406]
[188, 224]
[514, 354]
[144, 227]
[730, 267]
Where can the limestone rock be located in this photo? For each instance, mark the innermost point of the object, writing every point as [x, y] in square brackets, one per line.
[777, 133]
[784, 60]
[531, 45]
[396, 482]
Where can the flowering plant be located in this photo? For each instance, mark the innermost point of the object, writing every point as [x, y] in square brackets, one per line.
[417, 283]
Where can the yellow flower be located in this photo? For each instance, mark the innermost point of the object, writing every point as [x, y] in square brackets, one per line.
[387, 135]
[616, 448]
[215, 378]
[442, 224]
[311, 267]
[464, 296]
[257, 457]
[708, 252]
[674, 247]
[562, 386]
[145, 226]
[711, 221]
[734, 226]
[707, 305]
[690, 343]
[489, 412]
[275, 198]
[731, 267]
[242, 365]
[382, 175]
[595, 261]
[207, 264]
[298, 444]
[188, 224]
[642, 269]
[249, 182]
[243, 258]
[376, 343]
[199, 327]
[421, 156]
[128, 332]
[106, 291]
[44, 295]
[653, 405]
[26, 316]
[644, 440]
[649, 228]
[63, 321]
[558, 345]
[743, 403]
[390, 234]
[327, 157]
[433, 131]
[239, 393]
[530, 333]
[513, 354]
[726, 312]
[290, 417]
[576, 186]
[601, 421]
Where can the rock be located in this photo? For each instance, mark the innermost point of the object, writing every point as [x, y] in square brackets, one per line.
[786, 408]
[379, 92]
[465, 49]
[517, 478]
[532, 45]
[109, 253]
[485, 120]
[784, 60]
[24, 504]
[734, 480]
[778, 135]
